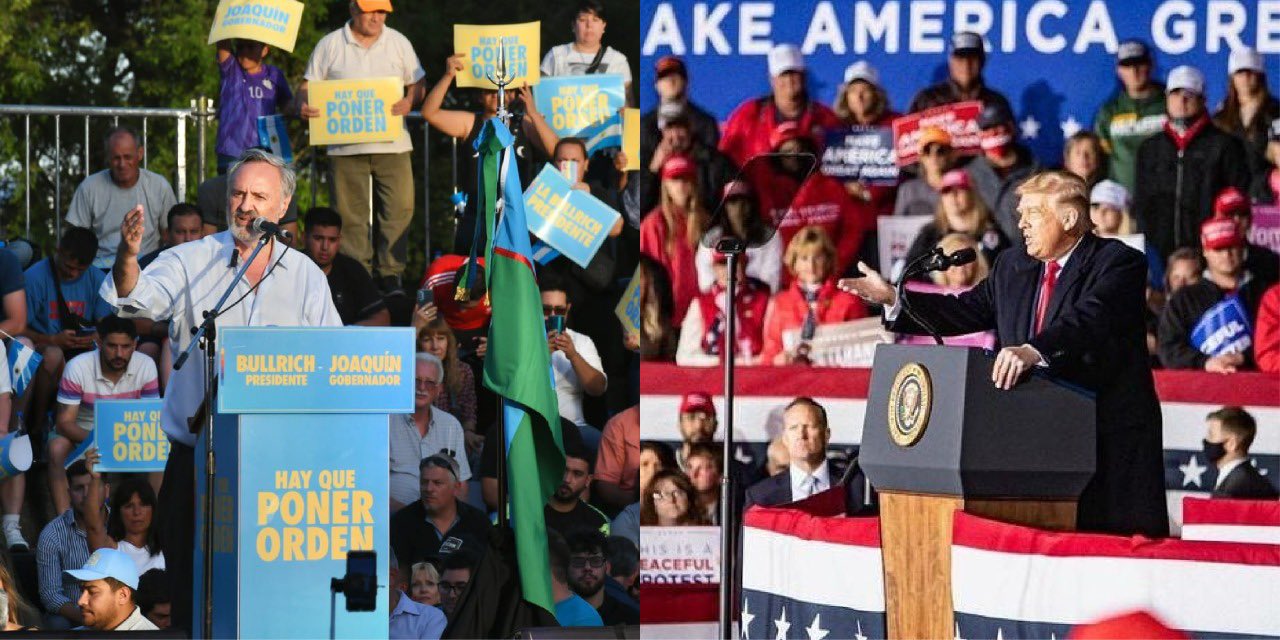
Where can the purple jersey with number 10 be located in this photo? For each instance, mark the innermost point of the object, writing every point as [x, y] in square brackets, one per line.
[243, 98]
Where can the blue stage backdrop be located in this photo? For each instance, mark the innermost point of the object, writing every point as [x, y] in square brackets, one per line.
[1053, 59]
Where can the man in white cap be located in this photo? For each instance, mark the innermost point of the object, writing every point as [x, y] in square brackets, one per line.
[110, 579]
[1249, 108]
[747, 132]
[1132, 114]
[1183, 168]
[964, 81]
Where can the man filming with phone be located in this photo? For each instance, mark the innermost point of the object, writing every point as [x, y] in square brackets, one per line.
[574, 358]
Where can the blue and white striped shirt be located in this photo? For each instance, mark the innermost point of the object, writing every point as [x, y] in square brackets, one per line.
[62, 546]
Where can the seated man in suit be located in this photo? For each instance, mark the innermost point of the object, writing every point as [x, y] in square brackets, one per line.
[1071, 305]
[806, 434]
[1231, 431]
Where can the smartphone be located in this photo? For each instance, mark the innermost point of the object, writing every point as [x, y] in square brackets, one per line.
[361, 582]
[556, 324]
[426, 297]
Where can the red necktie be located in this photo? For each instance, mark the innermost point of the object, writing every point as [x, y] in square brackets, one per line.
[1046, 293]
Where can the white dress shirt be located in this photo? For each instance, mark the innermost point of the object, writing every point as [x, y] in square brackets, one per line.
[804, 485]
[188, 279]
[1225, 470]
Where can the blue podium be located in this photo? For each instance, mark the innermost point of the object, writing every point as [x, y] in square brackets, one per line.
[302, 466]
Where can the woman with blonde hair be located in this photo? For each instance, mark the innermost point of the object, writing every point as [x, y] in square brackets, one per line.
[960, 210]
[19, 614]
[1083, 155]
[670, 233]
[458, 395]
[424, 584]
[810, 300]
[965, 276]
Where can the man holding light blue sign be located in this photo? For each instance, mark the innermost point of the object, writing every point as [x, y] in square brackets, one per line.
[129, 437]
[571, 221]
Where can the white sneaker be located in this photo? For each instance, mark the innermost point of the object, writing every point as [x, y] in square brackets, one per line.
[13, 538]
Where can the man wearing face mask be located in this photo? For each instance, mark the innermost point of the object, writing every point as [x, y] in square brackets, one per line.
[1184, 167]
[1231, 431]
[282, 287]
[750, 127]
[964, 77]
[1003, 166]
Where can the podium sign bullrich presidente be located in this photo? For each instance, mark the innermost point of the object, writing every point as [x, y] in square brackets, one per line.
[939, 437]
[302, 468]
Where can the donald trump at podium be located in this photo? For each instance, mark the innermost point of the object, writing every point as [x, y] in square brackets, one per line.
[282, 287]
[1071, 305]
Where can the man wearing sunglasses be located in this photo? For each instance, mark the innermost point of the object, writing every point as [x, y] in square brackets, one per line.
[589, 572]
[574, 358]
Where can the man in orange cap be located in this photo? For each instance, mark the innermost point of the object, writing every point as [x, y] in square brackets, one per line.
[366, 48]
[1226, 277]
[919, 196]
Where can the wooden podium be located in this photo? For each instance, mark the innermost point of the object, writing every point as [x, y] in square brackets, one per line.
[938, 436]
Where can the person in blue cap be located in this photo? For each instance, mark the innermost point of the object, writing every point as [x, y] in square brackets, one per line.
[110, 579]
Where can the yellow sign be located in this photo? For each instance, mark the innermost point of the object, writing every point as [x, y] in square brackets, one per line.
[631, 138]
[313, 516]
[274, 22]
[628, 309]
[910, 403]
[481, 44]
[353, 111]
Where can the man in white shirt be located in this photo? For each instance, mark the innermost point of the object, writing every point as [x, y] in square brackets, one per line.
[102, 199]
[574, 358]
[282, 288]
[586, 54]
[366, 48]
[805, 432]
[110, 581]
[113, 371]
[426, 431]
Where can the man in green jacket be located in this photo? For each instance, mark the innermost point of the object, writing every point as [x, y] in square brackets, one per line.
[1131, 115]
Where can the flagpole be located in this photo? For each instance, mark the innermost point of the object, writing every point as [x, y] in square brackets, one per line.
[732, 248]
[501, 79]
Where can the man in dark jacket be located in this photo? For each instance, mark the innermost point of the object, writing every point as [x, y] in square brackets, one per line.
[1182, 169]
[1231, 431]
[1260, 261]
[1072, 304]
[964, 77]
[1226, 276]
[671, 81]
[678, 137]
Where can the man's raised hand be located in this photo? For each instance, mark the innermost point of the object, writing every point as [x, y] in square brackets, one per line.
[131, 232]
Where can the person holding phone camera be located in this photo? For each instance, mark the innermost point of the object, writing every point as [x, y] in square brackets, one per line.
[574, 358]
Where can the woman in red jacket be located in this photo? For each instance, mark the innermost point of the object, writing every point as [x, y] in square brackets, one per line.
[811, 300]
[670, 233]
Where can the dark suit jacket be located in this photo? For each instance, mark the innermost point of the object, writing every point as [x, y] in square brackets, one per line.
[1094, 336]
[776, 489]
[1245, 482]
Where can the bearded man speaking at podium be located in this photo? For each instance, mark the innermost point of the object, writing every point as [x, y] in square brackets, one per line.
[1071, 305]
[282, 287]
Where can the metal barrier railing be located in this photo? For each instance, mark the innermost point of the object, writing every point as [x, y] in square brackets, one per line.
[201, 114]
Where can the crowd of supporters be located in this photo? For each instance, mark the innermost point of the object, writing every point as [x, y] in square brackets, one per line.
[1168, 170]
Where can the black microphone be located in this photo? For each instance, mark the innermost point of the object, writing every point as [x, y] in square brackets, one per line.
[961, 257]
[262, 225]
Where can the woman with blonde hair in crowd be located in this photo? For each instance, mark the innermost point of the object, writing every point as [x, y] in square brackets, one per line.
[1109, 209]
[966, 276]
[670, 233]
[1083, 155]
[811, 299]
[19, 613]
[669, 502]
[960, 210]
[458, 395]
[863, 102]
[424, 584]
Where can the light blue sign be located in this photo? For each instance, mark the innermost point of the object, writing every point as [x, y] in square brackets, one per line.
[1223, 329]
[128, 436]
[584, 107]
[572, 222]
[315, 370]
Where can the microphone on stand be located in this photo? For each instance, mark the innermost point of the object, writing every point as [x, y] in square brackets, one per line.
[267, 227]
[935, 260]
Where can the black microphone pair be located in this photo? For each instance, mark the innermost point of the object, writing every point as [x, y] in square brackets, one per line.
[942, 261]
[267, 227]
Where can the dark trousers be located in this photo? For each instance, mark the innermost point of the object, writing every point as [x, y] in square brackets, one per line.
[176, 529]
